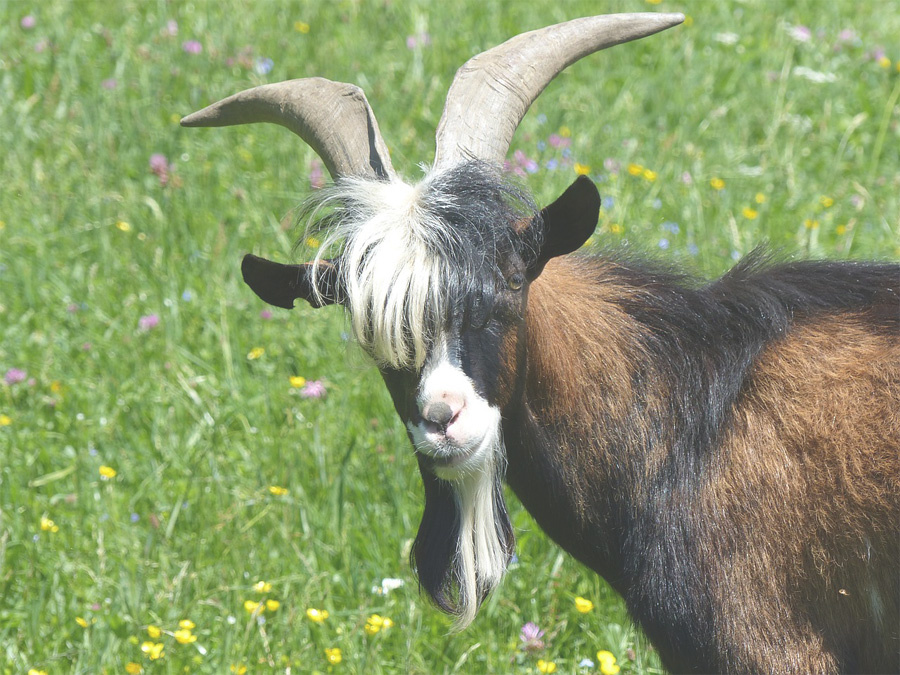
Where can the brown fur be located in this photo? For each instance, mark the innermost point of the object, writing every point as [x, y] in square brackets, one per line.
[798, 510]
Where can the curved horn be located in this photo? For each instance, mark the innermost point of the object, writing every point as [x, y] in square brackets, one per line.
[492, 91]
[334, 118]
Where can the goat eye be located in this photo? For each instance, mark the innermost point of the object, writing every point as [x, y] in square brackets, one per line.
[515, 282]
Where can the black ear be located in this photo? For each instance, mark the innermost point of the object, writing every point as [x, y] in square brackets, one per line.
[568, 222]
[280, 284]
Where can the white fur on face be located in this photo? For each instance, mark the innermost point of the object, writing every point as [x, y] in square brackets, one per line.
[392, 277]
[468, 454]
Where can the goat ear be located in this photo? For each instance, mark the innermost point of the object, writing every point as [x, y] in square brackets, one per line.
[280, 285]
[568, 222]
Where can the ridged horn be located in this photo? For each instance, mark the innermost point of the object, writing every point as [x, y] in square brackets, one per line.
[492, 91]
[334, 118]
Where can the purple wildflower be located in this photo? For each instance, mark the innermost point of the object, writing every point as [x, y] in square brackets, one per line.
[171, 29]
[135, 517]
[531, 637]
[419, 40]
[148, 322]
[109, 83]
[314, 389]
[265, 314]
[611, 165]
[160, 166]
[801, 33]
[28, 22]
[847, 35]
[316, 175]
[14, 376]
[558, 141]
[686, 178]
[263, 66]
[187, 296]
[664, 243]
[192, 47]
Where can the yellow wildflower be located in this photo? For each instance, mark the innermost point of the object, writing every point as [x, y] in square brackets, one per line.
[133, 668]
[649, 175]
[583, 605]
[582, 169]
[312, 242]
[615, 228]
[810, 224]
[122, 225]
[153, 650]
[760, 198]
[272, 605]
[841, 229]
[607, 662]
[717, 184]
[301, 27]
[262, 586]
[184, 636]
[81, 621]
[48, 525]
[297, 381]
[750, 214]
[827, 202]
[565, 132]
[153, 631]
[35, 671]
[635, 169]
[255, 353]
[238, 669]
[333, 654]
[5, 420]
[884, 62]
[277, 490]
[55, 387]
[187, 624]
[107, 472]
[546, 666]
[654, 2]
[317, 615]
[254, 607]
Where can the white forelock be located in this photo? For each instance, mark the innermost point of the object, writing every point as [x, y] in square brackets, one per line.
[390, 267]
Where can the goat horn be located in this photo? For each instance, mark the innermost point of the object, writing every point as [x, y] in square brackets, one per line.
[334, 118]
[493, 90]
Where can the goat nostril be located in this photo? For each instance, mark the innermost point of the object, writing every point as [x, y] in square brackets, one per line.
[439, 413]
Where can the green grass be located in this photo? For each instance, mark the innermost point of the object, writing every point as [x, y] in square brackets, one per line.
[197, 432]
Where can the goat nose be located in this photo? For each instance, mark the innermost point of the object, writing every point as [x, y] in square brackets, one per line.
[438, 413]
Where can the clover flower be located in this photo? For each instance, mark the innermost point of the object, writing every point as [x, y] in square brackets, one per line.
[192, 47]
[14, 376]
[314, 389]
[531, 637]
[148, 322]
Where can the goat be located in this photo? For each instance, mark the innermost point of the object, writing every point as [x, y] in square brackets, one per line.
[724, 454]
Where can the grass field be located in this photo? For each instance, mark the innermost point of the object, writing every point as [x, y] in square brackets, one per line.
[160, 455]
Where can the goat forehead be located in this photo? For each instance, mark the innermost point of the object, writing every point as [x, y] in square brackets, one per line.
[415, 258]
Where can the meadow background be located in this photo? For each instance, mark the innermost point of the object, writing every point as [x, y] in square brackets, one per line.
[172, 451]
